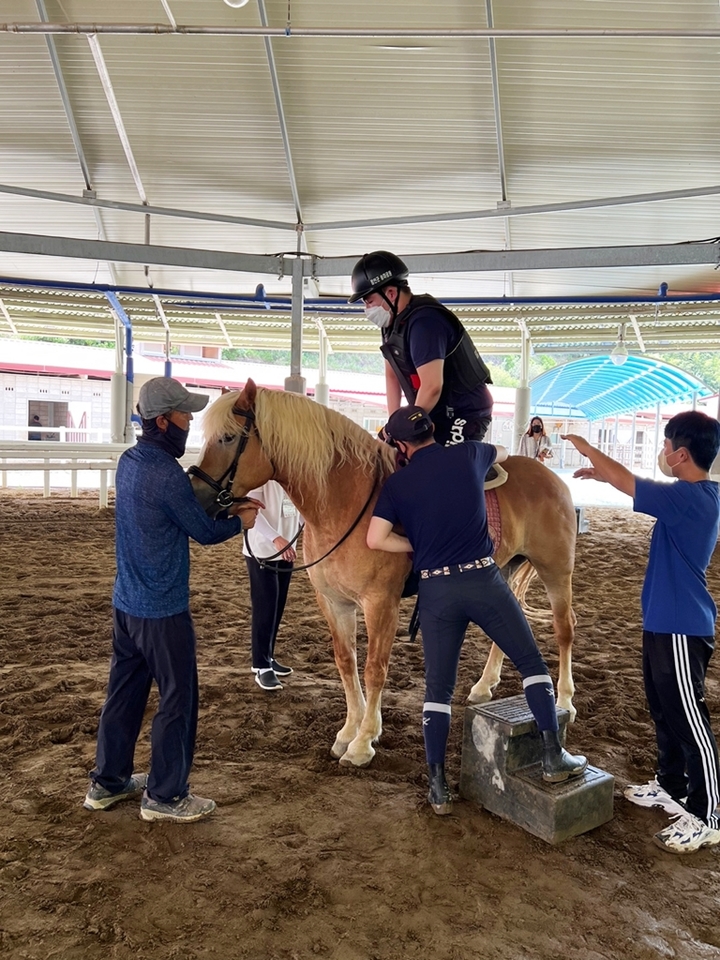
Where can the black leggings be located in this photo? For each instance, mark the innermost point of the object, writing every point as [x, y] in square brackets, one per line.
[269, 587]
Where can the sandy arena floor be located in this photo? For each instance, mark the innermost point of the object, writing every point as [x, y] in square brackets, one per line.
[305, 858]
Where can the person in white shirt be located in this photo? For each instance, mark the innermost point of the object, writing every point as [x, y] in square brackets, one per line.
[273, 535]
[535, 443]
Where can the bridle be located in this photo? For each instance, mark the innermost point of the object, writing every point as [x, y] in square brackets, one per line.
[225, 499]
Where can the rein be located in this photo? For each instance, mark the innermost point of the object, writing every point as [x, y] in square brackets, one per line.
[306, 566]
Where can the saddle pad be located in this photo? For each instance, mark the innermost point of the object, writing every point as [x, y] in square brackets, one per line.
[493, 517]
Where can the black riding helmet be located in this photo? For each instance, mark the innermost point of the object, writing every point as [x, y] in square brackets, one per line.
[376, 270]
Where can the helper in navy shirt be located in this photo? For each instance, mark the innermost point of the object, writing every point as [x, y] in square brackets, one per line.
[439, 501]
[153, 635]
[678, 624]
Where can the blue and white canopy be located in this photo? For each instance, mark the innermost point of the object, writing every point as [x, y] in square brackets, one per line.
[596, 387]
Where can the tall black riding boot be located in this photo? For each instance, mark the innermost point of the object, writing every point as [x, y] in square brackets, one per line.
[439, 796]
[557, 763]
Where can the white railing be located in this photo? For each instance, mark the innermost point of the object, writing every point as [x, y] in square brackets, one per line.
[55, 434]
[18, 457]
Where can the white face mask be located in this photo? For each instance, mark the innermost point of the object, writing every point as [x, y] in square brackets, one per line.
[378, 315]
[665, 468]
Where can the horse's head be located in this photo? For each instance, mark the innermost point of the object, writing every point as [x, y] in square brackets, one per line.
[232, 460]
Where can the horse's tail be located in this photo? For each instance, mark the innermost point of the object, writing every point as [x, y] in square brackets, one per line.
[520, 578]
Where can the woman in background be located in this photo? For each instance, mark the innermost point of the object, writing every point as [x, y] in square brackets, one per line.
[535, 443]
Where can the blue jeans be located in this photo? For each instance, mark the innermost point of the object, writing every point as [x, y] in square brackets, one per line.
[147, 649]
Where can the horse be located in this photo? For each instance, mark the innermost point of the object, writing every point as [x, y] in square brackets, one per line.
[332, 470]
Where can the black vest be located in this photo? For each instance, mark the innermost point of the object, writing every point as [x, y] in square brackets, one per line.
[463, 370]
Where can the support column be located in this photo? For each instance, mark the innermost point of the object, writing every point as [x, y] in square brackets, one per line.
[522, 393]
[657, 440]
[118, 389]
[122, 317]
[295, 383]
[322, 390]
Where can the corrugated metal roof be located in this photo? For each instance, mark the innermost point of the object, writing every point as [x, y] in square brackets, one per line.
[596, 387]
[371, 128]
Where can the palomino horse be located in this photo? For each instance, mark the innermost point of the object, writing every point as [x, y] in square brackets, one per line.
[331, 467]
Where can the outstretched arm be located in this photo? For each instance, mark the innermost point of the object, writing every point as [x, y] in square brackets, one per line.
[603, 468]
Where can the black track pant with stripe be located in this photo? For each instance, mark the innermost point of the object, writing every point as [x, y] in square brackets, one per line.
[674, 668]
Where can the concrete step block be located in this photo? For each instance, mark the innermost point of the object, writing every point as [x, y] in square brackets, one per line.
[501, 771]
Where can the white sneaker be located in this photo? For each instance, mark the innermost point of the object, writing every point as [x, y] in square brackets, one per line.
[651, 794]
[686, 835]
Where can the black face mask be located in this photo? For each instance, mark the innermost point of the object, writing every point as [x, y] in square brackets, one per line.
[536, 428]
[174, 439]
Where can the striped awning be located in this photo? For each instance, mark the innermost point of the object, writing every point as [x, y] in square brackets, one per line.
[596, 387]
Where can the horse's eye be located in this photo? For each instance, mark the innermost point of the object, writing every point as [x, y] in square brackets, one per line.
[228, 438]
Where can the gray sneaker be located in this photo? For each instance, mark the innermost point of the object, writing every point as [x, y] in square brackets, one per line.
[98, 798]
[183, 811]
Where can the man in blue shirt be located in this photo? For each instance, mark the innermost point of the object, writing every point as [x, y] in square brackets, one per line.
[429, 356]
[156, 513]
[678, 624]
[439, 500]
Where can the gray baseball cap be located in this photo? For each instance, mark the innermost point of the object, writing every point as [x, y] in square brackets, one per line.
[163, 394]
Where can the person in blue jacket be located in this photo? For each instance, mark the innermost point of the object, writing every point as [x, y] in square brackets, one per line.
[156, 513]
[678, 624]
[459, 583]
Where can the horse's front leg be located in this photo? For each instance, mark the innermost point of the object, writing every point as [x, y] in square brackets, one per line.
[341, 617]
[483, 690]
[381, 615]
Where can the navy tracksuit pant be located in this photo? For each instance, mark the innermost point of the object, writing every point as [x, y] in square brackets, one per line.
[674, 668]
[147, 649]
[269, 587]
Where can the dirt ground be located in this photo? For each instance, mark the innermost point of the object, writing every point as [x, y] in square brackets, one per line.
[303, 857]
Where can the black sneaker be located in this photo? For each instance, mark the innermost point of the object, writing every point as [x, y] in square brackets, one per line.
[280, 670]
[267, 680]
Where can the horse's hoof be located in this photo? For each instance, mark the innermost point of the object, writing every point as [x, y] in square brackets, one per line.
[442, 809]
[570, 709]
[479, 697]
[338, 749]
[353, 760]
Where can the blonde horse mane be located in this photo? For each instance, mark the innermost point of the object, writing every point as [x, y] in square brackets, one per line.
[304, 439]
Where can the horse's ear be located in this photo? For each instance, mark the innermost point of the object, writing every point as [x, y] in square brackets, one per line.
[250, 392]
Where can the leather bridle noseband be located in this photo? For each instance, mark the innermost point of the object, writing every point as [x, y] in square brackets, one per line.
[225, 499]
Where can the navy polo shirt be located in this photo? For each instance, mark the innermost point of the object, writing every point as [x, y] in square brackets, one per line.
[675, 597]
[439, 500]
[431, 336]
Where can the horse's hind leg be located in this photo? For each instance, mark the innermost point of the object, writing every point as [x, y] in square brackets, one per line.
[341, 617]
[484, 688]
[559, 590]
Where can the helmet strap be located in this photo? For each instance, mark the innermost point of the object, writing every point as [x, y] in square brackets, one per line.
[388, 301]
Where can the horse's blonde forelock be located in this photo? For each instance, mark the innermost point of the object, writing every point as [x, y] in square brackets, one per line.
[219, 420]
